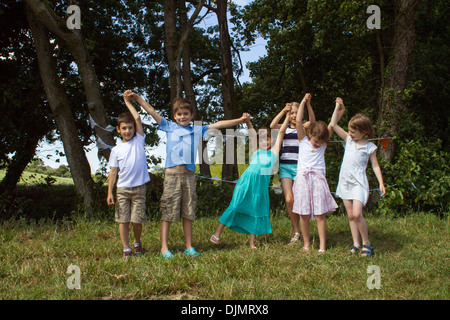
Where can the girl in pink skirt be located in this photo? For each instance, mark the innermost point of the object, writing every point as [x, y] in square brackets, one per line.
[312, 196]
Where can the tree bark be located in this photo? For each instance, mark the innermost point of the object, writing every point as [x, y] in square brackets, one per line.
[60, 106]
[229, 171]
[188, 86]
[73, 41]
[19, 162]
[174, 44]
[395, 74]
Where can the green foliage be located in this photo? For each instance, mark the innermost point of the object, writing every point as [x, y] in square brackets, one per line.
[37, 166]
[418, 178]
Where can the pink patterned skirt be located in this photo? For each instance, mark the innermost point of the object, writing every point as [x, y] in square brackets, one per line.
[312, 195]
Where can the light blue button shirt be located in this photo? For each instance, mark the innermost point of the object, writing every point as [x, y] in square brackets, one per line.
[182, 143]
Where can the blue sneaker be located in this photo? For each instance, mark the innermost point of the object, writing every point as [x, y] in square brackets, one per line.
[168, 254]
[191, 252]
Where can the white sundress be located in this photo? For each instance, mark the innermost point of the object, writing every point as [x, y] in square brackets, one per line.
[353, 183]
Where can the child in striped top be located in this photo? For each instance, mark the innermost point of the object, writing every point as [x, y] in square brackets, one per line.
[289, 157]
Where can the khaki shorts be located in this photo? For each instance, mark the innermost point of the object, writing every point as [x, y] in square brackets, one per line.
[179, 198]
[130, 204]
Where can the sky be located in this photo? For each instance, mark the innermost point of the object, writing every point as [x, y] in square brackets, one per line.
[48, 152]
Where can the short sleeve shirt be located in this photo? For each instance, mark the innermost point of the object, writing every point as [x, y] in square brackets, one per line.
[130, 158]
[182, 143]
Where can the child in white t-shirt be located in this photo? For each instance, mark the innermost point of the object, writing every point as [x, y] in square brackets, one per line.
[129, 161]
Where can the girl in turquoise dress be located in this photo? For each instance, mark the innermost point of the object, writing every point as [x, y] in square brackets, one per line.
[248, 211]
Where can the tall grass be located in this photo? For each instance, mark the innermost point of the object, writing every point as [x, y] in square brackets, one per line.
[411, 252]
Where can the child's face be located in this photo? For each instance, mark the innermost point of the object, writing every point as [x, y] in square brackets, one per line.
[293, 116]
[316, 143]
[183, 117]
[355, 135]
[126, 130]
[265, 142]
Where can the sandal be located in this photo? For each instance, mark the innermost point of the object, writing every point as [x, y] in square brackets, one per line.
[214, 239]
[167, 255]
[354, 250]
[295, 238]
[321, 251]
[191, 252]
[367, 250]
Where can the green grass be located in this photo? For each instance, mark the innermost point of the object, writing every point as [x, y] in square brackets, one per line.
[411, 252]
[33, 178]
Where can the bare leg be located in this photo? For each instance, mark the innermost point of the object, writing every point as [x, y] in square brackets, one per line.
[352, 221]
[286, 185]
[137, 230]
[304, 223]
[165, 228]
[321, 228]
[219, 230]
[360, 221]
[187, 227]
[252, 241]
[124, 234]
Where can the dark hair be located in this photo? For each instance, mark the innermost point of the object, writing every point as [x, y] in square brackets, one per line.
[361, 122]
[319, 130]
[125, 117]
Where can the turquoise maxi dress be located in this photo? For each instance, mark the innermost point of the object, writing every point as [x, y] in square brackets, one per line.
[248, 211]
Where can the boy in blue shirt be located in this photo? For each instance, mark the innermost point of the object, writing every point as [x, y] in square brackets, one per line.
[179, 197]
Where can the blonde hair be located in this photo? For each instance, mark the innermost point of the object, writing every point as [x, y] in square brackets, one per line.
[361, 123]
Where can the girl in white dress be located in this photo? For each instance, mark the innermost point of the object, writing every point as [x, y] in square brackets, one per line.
[353, 186]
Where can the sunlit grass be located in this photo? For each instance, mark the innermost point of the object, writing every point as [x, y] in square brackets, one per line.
[411, 252]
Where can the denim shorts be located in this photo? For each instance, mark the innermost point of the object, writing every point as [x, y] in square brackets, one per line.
[288, 170]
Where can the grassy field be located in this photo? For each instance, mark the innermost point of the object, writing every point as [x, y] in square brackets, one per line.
[411, 254]
[33, 178]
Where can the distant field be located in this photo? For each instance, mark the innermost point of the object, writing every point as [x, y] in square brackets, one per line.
[31, 178]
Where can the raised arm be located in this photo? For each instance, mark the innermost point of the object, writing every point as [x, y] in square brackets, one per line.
[134, 113]
[340, 114]
[299, 123]
[275, 124]
[145, 105]
[279, 142]
[311, 114]
[338, 110]
[222, 124]
[253, 137]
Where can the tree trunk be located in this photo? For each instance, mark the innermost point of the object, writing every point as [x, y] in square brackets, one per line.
[171, 43]
[229, 171]
[59, 103]
[73, 41]
[19, 162]
[174, 44]
[188, 87]
[395, 74]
